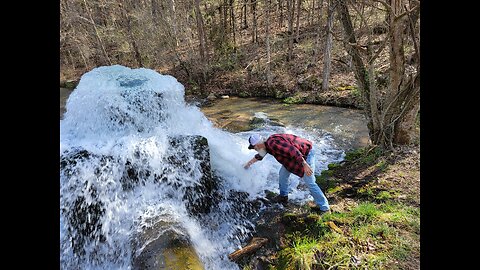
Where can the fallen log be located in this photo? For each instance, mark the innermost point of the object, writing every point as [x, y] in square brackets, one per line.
[255, 243]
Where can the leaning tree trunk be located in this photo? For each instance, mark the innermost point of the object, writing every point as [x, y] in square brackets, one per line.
[403, 97]
[395, 114]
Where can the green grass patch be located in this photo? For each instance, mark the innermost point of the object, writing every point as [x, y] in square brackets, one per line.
[381, 165]
[326, 182]
[365, 156]
[373, 236]
[383, 195]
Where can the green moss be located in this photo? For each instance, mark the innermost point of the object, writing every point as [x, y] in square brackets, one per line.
[293, 100]
[346, 88]
[382, 165]
[182, 258]
[365, 155]
[243, 94]
[354, 154]
[332, 166]
[334, 189]
[366, 191]
[383, 195]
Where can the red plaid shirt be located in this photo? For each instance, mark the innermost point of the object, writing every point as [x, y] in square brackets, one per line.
[289, 150]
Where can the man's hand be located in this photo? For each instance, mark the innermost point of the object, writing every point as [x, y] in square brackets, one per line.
[249, 163]
[308, 170]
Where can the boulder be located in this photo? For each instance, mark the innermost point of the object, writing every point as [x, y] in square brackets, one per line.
[170, 250]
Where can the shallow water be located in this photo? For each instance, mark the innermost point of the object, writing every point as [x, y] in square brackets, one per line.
[347, 126]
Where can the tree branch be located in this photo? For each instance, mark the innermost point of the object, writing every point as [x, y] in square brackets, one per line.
[385, 4]
[412, 32]
[375, 56]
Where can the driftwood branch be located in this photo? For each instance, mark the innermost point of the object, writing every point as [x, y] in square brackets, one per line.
[255, 243]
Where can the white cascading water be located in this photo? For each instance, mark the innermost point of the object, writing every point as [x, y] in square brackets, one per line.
[118, 115]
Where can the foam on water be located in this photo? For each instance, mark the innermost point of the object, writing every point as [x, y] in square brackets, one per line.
[119, 114]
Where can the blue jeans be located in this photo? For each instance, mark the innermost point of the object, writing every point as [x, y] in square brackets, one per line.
[315, 190]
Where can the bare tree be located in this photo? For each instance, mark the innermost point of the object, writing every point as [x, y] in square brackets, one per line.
[391, 116]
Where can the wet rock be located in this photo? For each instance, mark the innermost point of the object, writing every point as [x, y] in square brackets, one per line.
[211, 97]
[70, 84]
[84, 212]
[171, 250]
[258, 122]
[240, 125]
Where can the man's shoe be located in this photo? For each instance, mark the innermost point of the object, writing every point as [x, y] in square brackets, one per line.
[280, 199]
[314, 207]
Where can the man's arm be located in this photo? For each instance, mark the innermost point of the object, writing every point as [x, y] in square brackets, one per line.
[250, 162]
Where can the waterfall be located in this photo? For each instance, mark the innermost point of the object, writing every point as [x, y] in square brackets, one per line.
[137, 163]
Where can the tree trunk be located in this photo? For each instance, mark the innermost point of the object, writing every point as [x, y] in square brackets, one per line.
[290, 15]
[299, 7]
[269, 75]
[244, 14]
[225, 14]
[201, 32]
[360, 71]
[354, 50]
[391, 119]
[232, 22]
[310, 12]
[280, 6]
[253, 6]
[327, 57]
[174, 22]
[316, 47]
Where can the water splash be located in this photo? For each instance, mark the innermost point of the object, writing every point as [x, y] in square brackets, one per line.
[129, 148]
